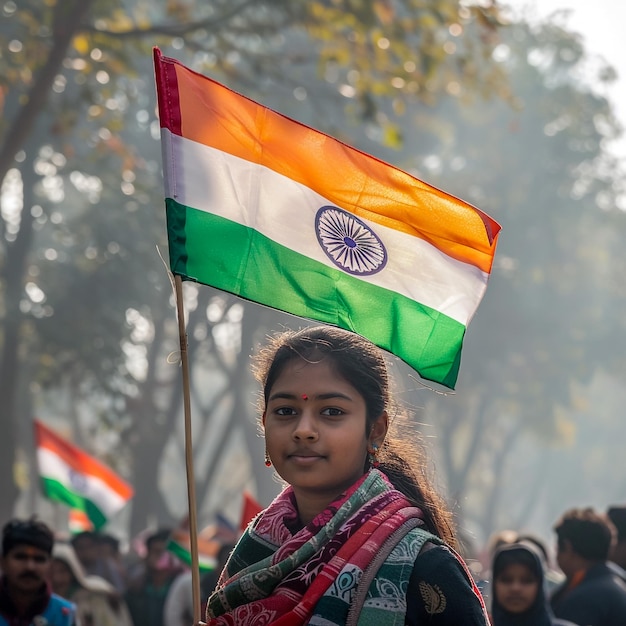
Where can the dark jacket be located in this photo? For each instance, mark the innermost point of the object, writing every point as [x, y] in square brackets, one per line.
[598, 600]
[441, 591]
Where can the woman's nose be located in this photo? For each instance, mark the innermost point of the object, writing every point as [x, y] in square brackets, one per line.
[305, 427]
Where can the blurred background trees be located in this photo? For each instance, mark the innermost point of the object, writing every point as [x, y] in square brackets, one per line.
[495, 112]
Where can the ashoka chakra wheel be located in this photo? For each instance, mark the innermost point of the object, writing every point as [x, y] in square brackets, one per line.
[348, 242]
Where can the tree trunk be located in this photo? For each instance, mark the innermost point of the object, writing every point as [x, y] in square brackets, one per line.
[13, 277]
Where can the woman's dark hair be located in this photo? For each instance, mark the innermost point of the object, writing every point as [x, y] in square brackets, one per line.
[363, 365]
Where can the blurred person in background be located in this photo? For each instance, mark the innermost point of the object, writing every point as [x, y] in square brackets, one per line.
[109, 549]
[148, 587]
[518, 588]
[592, 594]
[88, 550]
[25, 594]
[617, 555]
[97, 601]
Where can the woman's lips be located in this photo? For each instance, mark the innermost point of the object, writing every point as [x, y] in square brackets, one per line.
[304, 459]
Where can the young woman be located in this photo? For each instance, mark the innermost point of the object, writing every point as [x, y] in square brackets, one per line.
[357, 536]
[518, 588]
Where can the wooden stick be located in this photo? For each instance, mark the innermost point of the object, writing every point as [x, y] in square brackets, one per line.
[191, 481]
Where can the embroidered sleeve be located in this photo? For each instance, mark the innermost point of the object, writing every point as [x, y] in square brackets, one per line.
[440, 592]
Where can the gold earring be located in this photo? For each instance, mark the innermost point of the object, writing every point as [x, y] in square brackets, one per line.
[268, 461]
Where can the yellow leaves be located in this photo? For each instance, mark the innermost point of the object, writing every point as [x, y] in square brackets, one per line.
[392, 136]
[182, 11]
[427, 21]
[81, 45]
[121, 21]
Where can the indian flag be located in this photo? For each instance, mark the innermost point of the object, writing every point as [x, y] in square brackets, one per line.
[78, 521]
[208, 548]
[73, 477]
[283, 215]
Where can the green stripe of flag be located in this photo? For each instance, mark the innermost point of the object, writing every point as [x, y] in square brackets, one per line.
[183, 554]
[231, 257]
[56, 491]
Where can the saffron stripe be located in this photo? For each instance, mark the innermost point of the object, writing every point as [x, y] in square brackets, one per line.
[215, 116]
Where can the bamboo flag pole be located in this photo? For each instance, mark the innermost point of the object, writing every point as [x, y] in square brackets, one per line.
[191, 481]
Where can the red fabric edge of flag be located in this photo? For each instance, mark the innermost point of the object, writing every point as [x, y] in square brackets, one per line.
[167, 92]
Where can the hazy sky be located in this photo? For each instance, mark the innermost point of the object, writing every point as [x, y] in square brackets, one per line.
[601, 23]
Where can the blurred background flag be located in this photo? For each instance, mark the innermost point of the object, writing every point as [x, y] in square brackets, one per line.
[249, 510]
[210, 541]
[78, 521]
[281, 214]
[71, 476]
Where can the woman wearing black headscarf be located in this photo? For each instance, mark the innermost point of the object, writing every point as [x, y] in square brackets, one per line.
[518, 588]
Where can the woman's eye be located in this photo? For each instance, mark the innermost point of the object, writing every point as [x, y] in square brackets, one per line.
[332, 412]
[284, 411]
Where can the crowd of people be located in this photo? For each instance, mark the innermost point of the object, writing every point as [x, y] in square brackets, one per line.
[49, 579]
[357, 536]
[87, 581]
[586, 585]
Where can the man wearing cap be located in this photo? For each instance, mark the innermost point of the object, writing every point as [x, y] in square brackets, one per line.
[25, 596]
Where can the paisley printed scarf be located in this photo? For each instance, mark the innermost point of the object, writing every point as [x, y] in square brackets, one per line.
[276, 577]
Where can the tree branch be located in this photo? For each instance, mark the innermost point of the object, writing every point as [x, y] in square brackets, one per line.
[67, 21]
[171, 30]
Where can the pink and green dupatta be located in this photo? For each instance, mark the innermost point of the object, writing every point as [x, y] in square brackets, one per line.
[284, 579]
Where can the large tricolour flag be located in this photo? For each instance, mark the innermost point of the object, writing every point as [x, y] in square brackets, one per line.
[281, 214]
[77, 479]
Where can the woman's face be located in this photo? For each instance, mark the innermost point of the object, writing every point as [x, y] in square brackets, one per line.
[516, 588]
[61, 577]
[315, 432]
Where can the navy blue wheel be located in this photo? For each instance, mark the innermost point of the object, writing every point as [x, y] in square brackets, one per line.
[349, 242]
